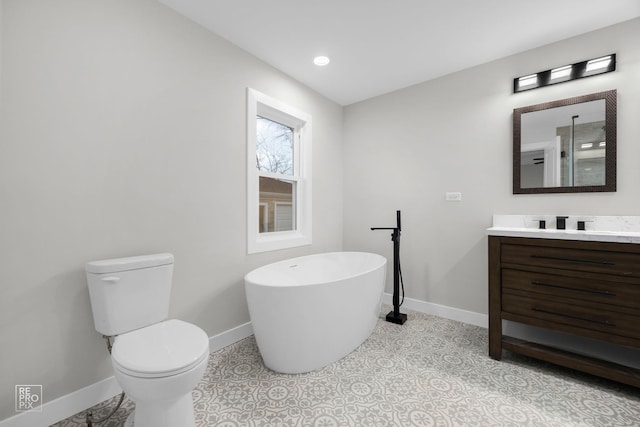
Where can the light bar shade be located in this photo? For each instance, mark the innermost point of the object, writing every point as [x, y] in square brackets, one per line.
[531, 79]
[561, 73]
[598, 64]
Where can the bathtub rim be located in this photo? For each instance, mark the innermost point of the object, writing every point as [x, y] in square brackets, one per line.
[249, 281]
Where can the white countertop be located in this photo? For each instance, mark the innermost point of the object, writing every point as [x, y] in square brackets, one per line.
[617, 229]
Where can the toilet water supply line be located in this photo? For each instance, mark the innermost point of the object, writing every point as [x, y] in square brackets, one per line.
[89, 417]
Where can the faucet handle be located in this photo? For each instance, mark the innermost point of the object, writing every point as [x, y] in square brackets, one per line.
[561, 222]
[582, 224]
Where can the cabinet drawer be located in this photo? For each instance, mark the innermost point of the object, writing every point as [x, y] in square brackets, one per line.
[597, 261]
[592, 317]
[587, 289]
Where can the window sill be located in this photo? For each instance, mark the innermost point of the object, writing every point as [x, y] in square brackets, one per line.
[278, 240]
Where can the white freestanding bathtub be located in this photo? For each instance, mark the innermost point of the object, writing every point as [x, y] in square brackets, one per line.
[310, 311]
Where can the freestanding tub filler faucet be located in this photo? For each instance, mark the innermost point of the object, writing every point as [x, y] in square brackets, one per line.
[395, 316]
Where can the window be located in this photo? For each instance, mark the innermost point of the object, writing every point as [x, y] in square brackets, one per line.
[278, 174]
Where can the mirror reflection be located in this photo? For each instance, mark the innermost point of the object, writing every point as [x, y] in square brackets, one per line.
[565, 146]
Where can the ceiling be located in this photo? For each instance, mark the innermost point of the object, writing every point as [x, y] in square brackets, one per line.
[378, 46]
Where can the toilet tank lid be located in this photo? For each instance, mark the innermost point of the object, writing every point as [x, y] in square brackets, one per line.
[128, 263]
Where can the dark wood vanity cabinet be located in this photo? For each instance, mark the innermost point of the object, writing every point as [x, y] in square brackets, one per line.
[585, 288]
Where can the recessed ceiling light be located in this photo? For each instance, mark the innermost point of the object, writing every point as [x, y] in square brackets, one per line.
[321, 61]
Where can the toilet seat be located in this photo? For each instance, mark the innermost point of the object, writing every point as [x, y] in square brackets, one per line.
[161, 350]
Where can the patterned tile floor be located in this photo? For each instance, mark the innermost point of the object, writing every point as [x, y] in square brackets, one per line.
[429, 372]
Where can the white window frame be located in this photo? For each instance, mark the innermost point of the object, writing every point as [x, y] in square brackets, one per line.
[273, 109]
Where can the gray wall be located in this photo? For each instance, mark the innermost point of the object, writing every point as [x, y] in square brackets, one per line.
[404, 150]
[123, 133]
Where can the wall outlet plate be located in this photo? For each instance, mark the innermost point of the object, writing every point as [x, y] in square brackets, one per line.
[453, 196]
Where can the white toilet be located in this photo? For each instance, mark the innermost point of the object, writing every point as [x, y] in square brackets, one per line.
[156, 361]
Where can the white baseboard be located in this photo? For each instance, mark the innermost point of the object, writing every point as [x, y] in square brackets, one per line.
[80, 400]
[457, 314]
[229, 337]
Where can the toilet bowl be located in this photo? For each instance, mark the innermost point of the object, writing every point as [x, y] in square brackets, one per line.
[157, 367]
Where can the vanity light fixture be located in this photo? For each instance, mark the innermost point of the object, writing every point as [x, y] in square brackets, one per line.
[321, 61]
[579, 70]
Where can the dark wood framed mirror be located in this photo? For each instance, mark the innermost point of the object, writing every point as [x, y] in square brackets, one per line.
[566, 146]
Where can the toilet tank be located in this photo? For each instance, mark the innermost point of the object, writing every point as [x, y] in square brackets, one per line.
[129, 293]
